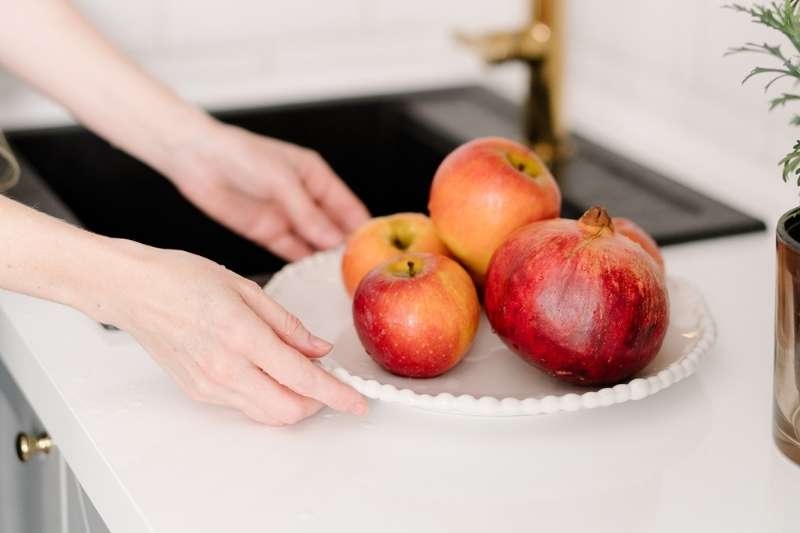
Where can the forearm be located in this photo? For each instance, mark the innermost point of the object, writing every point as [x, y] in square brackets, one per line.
[51, 46]
[47, 258]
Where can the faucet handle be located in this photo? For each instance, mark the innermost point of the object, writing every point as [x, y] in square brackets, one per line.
[529, 44]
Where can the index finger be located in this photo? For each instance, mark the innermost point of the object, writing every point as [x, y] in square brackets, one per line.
[292, 369]
[332, 194]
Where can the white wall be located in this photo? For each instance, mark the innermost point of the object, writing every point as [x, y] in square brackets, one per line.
[243, 51]
[647, 76]
[655, 69]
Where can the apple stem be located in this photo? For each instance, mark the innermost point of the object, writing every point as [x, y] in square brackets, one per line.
[411, 271]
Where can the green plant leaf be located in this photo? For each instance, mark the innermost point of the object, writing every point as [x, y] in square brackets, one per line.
[783, 16]
[791, 162]
[782, 100]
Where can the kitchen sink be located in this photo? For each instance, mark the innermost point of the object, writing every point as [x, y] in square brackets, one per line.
[386, 148]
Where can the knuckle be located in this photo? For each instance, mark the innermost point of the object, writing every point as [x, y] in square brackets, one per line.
[219, 370]
[305, 382]
[220, 317]
[317, 220]
[290, 324]
[239, 339]
[203, 389]
[250, 287]
[306, 213]
[313, 154]
[192, 393]
[200, 391]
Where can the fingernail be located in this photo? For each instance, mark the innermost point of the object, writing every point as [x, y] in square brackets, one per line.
[359, 408]
[320, 344]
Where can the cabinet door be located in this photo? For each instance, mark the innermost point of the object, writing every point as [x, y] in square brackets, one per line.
[80, 513]
[42, 495]
[30, 497]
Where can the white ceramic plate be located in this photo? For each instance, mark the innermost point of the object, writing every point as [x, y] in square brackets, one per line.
[491, 380]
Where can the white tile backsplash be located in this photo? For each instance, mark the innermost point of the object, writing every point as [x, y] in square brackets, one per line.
[447, 14]
[208, 22]
[659, 64]
[664, 62]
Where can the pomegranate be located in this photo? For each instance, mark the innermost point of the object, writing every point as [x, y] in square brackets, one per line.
[634, 232]
[577, 300]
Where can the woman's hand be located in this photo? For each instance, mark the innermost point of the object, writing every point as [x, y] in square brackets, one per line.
[221, 338]
[277, 194]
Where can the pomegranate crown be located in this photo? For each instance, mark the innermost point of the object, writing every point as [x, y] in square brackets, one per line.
[596, 218]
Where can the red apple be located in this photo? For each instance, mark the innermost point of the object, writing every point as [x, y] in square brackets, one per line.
[483, 191]
[383, 238]
[578, 300]
[634, 232]
[416, 314]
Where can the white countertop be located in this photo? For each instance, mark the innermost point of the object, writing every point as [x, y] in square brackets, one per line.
[698, 454]
[697, 457]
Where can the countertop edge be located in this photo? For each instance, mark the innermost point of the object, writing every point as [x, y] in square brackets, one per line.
[84, 458]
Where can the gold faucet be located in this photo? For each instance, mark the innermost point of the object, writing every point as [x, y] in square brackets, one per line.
[540, 46]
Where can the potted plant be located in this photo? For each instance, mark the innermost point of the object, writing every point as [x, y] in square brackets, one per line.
[783, 17]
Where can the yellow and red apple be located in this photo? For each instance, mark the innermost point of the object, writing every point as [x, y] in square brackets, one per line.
[383, 238]
[416, 314]
[483, 191]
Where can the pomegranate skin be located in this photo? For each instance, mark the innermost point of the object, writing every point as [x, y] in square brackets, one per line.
[580, 302]
[634, 232]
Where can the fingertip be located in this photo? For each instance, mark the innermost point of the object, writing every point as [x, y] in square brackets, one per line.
[355, 222]
[345, 398]
[288, 246]
[329, 235]
[319, 346]
[360, 408]
[318, 230]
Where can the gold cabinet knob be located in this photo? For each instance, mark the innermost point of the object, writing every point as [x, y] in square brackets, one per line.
[27, 445]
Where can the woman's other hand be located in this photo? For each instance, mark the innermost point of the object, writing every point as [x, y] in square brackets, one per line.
[277, 194]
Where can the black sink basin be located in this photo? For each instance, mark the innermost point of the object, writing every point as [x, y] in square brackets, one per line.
[386, 148]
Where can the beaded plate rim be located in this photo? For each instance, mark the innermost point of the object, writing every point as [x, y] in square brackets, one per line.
[491, 406]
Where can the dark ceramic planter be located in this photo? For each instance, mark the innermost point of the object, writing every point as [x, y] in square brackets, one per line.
[786, 385]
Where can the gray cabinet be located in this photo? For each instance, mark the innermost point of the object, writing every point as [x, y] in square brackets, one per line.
[41, 495]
